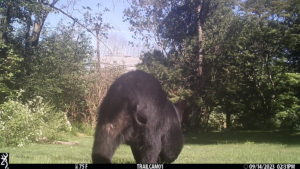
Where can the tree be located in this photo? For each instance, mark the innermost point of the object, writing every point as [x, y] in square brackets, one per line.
[180, 28]
[30, 14]
[55, 66]
[246, 48]
[59, 69]
[94, 22]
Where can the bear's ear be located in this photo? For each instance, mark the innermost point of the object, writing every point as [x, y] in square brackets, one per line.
[180, 107]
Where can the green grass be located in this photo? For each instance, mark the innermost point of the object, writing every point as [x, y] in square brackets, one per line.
[212, 147]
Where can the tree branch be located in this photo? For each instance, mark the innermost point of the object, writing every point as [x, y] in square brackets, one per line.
[76, 21]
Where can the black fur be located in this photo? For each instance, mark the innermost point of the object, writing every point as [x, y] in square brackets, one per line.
[136, 111]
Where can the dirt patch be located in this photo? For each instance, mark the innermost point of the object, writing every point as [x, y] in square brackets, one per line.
[69, 143]
[81, 135]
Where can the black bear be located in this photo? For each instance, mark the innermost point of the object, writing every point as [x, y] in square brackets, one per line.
[136, 111]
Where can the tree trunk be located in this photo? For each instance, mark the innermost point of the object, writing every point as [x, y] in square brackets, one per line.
[200, 40]
[6, 23]
[98, 48]
[38, 23]
[228, 120]
[200, 56]
[37, 28]
[27, 34]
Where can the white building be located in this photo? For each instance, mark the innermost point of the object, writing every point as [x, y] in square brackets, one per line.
[129, 62]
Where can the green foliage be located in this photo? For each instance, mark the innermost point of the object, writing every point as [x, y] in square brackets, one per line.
[54, 62]
[234, 62]
[10, 69]
[17, 124]
[249, 48]
[216, 121]
[166, 70]
[288, 102]
[79, 127]
[30, 122]
[57, 74]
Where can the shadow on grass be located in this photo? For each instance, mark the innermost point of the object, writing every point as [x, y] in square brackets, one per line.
[232, 137]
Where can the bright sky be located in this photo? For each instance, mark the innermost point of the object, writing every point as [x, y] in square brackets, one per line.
[118, 37]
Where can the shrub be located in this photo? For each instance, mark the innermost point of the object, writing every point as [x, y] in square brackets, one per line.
[216, 121]
[34, 121]
[17, 124]
[288, 102]
[289, 119]
[52, 122]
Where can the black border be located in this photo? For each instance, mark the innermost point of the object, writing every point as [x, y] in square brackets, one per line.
[165, 166]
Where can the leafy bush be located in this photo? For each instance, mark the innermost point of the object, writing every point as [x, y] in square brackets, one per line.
[288, 102]
[17, 124]
[288, 119]
[52, 121]
[216, 121]
[34, 121]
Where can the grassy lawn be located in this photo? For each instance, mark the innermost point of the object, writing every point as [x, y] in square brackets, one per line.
[212, 147]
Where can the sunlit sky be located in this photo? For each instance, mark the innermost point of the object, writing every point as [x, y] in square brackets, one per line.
[119, 34]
